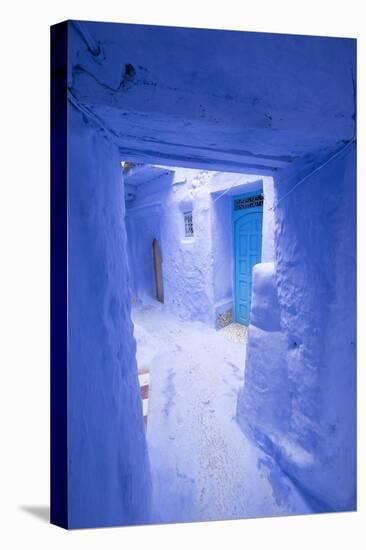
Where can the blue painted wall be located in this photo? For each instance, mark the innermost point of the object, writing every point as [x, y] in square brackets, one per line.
[108, 468]
[299, 397]
[198, 272]
[247, 102]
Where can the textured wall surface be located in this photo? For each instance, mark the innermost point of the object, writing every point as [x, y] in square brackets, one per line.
[299, 404]
[187, 263]
[198, 271]
[221, 100]
[108, 470]
[268, 240]
[254, 103]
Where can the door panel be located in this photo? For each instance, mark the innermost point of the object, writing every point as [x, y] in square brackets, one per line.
[248, 252]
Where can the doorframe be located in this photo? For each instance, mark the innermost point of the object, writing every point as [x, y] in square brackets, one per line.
[255, 209]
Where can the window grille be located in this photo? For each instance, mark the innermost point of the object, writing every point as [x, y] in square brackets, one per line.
[188, 224]
[249, 202]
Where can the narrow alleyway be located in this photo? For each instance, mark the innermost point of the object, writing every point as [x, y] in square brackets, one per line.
[203, 466]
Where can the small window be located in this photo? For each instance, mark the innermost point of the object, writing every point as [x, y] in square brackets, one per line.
[188, 224]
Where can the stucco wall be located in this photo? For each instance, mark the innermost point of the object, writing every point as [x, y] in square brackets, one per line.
[187, 263]
[108, 470]
[222, 251]
[268, 246]
[168, 112]
[212, 98]
[197, 272]
[299, 405]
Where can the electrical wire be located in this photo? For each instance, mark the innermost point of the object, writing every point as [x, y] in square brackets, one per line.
[335, 155]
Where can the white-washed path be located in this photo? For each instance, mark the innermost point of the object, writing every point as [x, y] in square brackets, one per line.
[203, 466]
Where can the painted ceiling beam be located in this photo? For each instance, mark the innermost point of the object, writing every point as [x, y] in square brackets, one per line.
[228, 98]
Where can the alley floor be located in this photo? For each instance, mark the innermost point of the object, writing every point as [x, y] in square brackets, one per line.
[203, 466]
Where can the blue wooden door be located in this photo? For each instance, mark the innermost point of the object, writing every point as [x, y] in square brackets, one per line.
[247, 222]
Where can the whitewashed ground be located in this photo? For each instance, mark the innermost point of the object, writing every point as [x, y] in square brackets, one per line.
[203, 466]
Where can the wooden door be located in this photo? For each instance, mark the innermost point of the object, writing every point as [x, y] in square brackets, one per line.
[158, 271]
[247, 253]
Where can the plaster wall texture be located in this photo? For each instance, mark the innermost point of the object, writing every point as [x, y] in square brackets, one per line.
[108, 469]
[184, 103]
[198, 271]
[268, 237]
[300, 403]
[221, 100]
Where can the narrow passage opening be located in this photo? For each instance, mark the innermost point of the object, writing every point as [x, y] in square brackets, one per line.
[194, 237]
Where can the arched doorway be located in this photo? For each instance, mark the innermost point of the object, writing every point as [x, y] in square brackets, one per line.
[158, 271]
